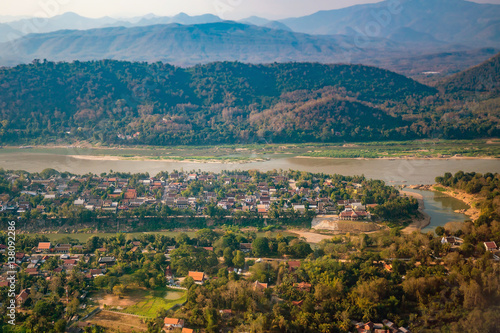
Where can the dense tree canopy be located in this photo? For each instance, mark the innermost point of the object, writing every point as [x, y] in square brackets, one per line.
[159, 104]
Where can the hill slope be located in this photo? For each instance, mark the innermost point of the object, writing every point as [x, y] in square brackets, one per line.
[213, 103]
[481, 79]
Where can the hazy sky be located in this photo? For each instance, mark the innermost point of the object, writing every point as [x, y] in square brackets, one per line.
[228, 9]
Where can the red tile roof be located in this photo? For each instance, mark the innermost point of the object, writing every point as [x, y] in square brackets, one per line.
[173, 321]
[258, 285]
[23, 296]
[490, 245]
[197, 276]
[44, 245]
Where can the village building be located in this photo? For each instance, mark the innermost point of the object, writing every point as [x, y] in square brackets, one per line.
[22, 297]
[108, 261]
[259, 286]
[198, 277]
[303, 286]
[171, 323]
[44, 247]
[490, 246]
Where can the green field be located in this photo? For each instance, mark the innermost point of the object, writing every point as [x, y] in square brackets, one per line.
[242, 153]
[154, 301]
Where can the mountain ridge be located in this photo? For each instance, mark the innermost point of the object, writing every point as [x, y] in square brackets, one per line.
[181, 45]
[451, 21]
[482, 79]
[230, 102]
[212, 103]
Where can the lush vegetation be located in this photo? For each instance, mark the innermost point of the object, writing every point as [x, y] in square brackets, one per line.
[417, 281]
[255, 152]
[481, 80]
[484, 186]
[137, 103]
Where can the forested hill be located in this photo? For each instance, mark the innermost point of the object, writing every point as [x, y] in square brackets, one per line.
[139, 103]
[481, 79]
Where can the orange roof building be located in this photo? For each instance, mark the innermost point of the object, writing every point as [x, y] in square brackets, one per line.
[198, 277]
[259, 286]
[22, 297]
[293, 265]
[130, 194]
[173, 322]
[44, 246]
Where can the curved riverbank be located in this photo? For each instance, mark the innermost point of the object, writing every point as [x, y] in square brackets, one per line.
[470, 200]
[417, 223]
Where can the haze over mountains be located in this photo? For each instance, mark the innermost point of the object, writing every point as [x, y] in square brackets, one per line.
[428, 21]
[400, 36]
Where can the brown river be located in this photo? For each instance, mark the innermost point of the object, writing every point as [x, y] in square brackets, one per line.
[421, 171]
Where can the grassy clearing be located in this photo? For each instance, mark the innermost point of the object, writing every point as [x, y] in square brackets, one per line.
[141, 301]
[117, 322]
[155, 301]
[242, 153]
[411, 149]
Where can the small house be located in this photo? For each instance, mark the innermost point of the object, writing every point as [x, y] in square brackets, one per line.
[171, 323]
[198, 277]
[22, 297]
[259, 286]
[490, 246]
[108, 261]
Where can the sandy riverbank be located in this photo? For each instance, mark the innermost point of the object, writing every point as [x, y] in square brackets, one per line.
[470, 200]
[417, 223]
[401, 158]
[167, 160]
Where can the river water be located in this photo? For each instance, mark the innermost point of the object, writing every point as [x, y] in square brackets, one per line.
[392, 171]
[441, 208]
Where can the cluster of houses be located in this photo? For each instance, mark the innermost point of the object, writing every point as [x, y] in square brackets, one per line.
[201, 277]
[243, 193]
[33, 264]
[455, 242]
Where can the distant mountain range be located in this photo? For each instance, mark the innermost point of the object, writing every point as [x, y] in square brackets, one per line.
[409, 36]
[428, 21]
[72, 21]
[186, 45]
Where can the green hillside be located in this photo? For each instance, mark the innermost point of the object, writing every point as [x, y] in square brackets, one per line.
[482, 79]
[117, 102]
